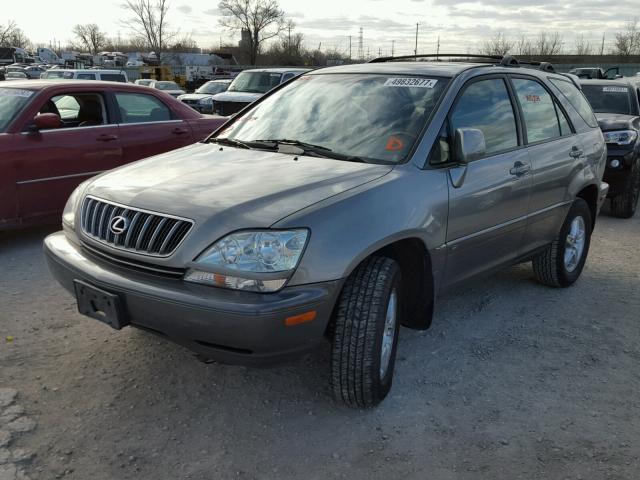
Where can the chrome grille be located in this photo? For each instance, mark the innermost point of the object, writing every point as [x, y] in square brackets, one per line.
[146, 232]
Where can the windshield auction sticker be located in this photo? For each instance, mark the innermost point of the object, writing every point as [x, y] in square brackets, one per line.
[15, 92]
[615, 89]
[411, 82]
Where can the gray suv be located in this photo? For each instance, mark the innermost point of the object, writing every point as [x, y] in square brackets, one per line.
[337, 208]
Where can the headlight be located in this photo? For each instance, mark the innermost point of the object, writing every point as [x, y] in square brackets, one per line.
[69, 212]
[621, 137]
[206, 101]
[259, 261]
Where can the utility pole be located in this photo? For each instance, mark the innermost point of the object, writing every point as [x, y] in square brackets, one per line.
[415, 52]
[289, 43]
[349, 47]
[602, 47]
[393, 47]
[438, 48]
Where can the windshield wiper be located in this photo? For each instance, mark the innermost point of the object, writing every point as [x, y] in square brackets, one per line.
[311, 148]
[229, 141]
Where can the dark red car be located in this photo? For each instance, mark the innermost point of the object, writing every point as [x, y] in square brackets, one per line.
[56, 134]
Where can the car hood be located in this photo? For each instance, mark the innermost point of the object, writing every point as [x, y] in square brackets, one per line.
[616, 121]
[245, 97]
[194, 96]
[224, 189]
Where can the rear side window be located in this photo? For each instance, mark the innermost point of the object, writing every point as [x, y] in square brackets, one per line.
[486, 105]
[538, 109]
[141, 108]
[86, 76]
[576, 99]
[112, 77]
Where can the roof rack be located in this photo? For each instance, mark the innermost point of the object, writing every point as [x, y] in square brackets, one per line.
[502, 60]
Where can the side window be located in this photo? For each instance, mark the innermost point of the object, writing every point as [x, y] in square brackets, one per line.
[576, 98]
[141, 108]
[112, 77]
[486, 105]
[441, 151]
[565, 128]
[538, 109]
[287, 76]
[86, 76]
[77, 110]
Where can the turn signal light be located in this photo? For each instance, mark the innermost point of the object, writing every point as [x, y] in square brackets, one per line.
[302, 318]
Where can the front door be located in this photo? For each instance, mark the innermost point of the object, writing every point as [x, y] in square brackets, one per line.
[49, 164]
[488, 197]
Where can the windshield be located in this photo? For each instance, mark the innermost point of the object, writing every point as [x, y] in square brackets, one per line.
[57, 74]
[372, 117]
[167, 86]
[12, 100]
[608, 98]
[255, 82]
[213, 88]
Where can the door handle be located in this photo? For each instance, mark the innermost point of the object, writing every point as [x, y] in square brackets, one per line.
[519, 169]
[107, 138]
[179, 131]
[575, 152]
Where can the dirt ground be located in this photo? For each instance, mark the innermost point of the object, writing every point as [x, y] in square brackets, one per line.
[513, 381]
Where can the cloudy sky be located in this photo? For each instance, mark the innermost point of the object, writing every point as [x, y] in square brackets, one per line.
[461, 25]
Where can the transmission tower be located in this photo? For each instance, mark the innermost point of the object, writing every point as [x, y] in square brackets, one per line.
[360, 46]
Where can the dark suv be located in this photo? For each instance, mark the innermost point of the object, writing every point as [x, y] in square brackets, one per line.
[617, 109]
[337, 207]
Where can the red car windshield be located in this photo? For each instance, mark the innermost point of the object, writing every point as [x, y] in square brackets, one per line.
[12, 100]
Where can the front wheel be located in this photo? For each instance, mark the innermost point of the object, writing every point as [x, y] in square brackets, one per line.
[365, 336]
[562, 262]
[625, 204]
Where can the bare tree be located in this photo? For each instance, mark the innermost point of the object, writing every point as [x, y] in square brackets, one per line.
[12, 36]
[523, 46]
[260, 19]
[6, 31]
[628, 41]
[497, 45]
[90, 37]
[149, 20]
[548, 44]
[583, 46]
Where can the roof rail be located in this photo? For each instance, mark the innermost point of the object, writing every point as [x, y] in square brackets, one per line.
[434, 55]
[502, 60]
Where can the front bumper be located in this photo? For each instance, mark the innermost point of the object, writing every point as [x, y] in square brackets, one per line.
[618, 178]
[223, 325]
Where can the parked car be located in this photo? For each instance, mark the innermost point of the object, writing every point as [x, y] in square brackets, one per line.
[145, 82]
[337, 207]
[14, 75]
[250, 85]
[34, 71]
[172, 88]
[86, 74]
[618, 112]
[54, 135]
[202, 99]
[596, 73]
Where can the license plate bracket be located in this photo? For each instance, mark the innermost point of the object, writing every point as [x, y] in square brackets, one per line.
[100, 305]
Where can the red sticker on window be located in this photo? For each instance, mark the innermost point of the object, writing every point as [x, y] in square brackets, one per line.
[394, 144]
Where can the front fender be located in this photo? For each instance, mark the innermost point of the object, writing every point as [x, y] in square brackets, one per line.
[347, 228]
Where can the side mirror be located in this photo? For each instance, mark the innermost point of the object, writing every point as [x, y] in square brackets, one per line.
[46, 121]
[469, 145]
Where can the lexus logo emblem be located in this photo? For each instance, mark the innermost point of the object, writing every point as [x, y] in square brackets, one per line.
[118, 224]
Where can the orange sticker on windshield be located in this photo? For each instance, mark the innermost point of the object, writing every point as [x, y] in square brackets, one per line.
[394, 144]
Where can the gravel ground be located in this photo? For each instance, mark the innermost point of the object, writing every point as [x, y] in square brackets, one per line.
[513, 380]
